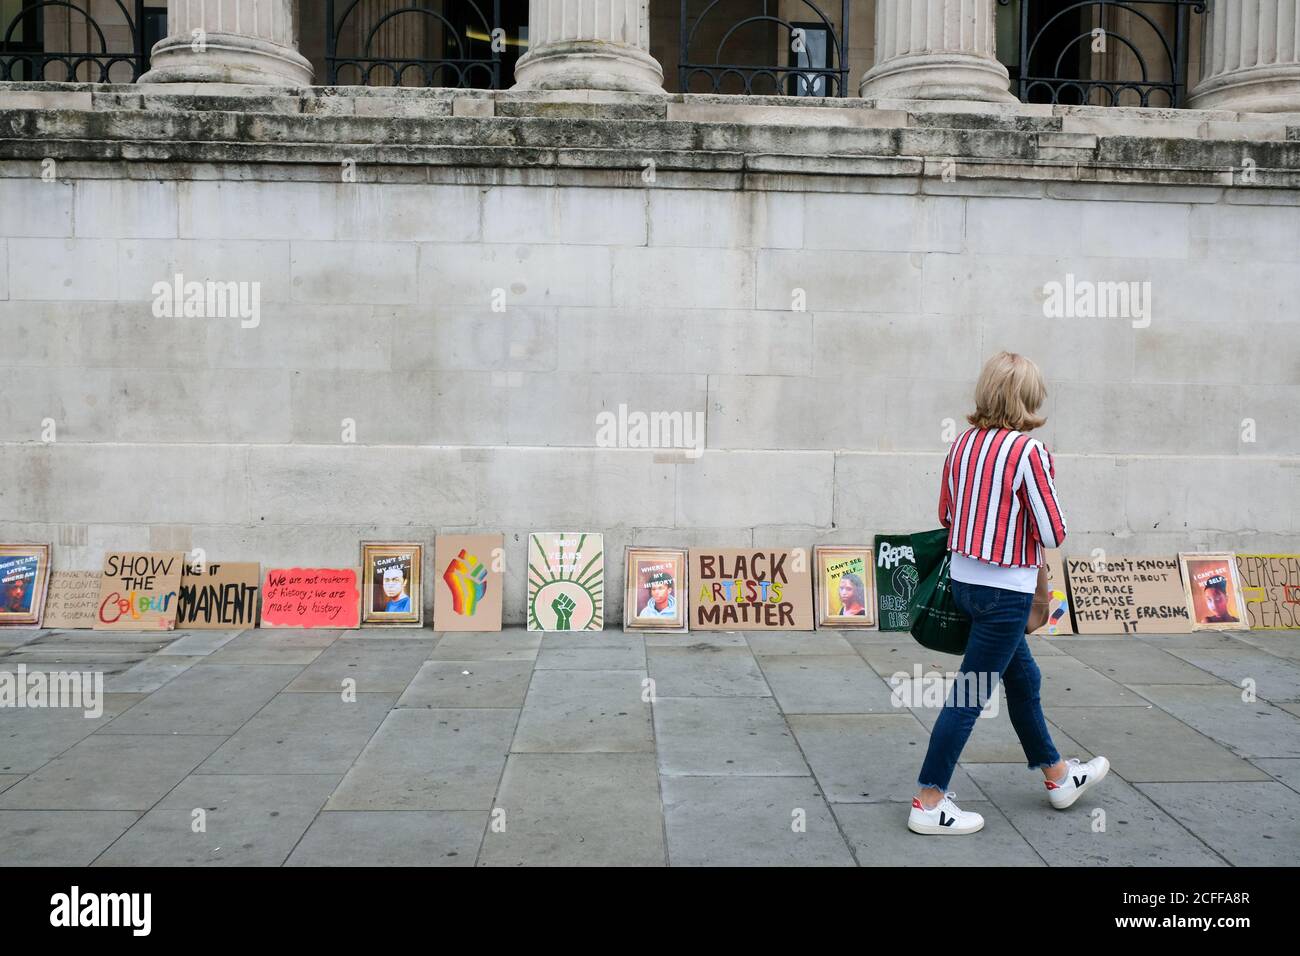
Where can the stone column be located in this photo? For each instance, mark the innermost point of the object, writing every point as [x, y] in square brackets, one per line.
[1251, 58]
[936, 50]
[229, 41]
[589, 45]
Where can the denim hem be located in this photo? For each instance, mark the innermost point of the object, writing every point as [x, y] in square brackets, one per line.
[1044, 765]
[932, 786]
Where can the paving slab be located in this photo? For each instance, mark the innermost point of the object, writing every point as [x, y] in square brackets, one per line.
[376, 666]
[1041, 645]
[59, 837]
[774, 643]
[248, 820]
[31, 737]
[7, 780]
[832, 684]
[206, 699]
[515, 645]
[585, 712]
[1283, 769]
[577, 810]
[11, 637]
[459, 684]
[725, 736]
[879, 836]
[616, 657]
[391, 838]
[1150, 745]
[1204, 639]
[1255, 729]
[1291, 707]
[609, 639]
[111, 772]
[302, 733]
[1278, 643]
[869, 758]
[150, 674]
[429, 760]
[1072, 683]
[688, 638]
[1134, 662]
[1137, 832]
[1275, 679]
[750, 821]
[199, 643]
[1248, 824]
[902, 657]
[706, 670]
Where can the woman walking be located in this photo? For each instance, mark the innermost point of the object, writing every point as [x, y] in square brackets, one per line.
[998, 501]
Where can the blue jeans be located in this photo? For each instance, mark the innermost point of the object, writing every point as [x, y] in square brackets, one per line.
[996, 650]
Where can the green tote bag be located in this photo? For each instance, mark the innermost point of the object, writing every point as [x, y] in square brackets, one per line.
[937, 622]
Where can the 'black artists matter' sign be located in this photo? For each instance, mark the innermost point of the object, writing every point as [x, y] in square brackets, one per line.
[751, 589]
[219, 595]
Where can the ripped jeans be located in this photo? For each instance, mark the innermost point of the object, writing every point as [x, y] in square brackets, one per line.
[996, 650]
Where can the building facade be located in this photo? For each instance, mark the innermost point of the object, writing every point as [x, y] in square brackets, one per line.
[271, 319]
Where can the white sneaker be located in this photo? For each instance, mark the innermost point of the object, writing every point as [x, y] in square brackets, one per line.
[945, 819]
[1078, 778]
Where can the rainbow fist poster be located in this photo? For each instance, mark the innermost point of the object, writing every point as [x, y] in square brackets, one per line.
[566, 581]
[468, 573]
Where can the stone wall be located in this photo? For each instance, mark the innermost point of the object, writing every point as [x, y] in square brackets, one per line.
[823, 425]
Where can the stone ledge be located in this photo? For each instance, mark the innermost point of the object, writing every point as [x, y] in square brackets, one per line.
[436, 127]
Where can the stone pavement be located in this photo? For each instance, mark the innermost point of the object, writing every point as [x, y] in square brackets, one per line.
[521, 749]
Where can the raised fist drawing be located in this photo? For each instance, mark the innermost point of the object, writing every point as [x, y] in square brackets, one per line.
[563, 607]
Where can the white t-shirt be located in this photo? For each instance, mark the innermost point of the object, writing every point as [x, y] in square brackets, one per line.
[970, 571]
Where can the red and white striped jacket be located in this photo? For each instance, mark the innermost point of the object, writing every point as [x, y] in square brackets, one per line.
[997, 498]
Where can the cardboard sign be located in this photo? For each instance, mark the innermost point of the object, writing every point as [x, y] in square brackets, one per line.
[751, 589]
[73, 599]
[845, 586]
[468, 576]
[655, 590]
[219, 596]
[1213, 591]
[24, 581]
[566, 581]
[1127, 596]
[1058, 611]
[1271, 584]
[139, 590]
[896, 580]
[311, 597]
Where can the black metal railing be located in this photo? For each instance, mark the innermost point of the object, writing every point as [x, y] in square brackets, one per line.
[60, 40]
[752, 41]
[414, 43]
[1101, 52]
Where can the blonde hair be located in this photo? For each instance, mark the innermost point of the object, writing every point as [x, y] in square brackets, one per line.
[1009, 393]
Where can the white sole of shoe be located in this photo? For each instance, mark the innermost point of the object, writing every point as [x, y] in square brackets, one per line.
[933, 829]
[1088, 784]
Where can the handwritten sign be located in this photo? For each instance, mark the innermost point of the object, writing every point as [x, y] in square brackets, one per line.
[1127, 596]
[311, 597]
[220, 595]
[1271, 585]
[139, 590]
[896, 580]
[751, 589]
[73, 599]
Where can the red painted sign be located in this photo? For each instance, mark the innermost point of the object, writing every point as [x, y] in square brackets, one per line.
[311, 597]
